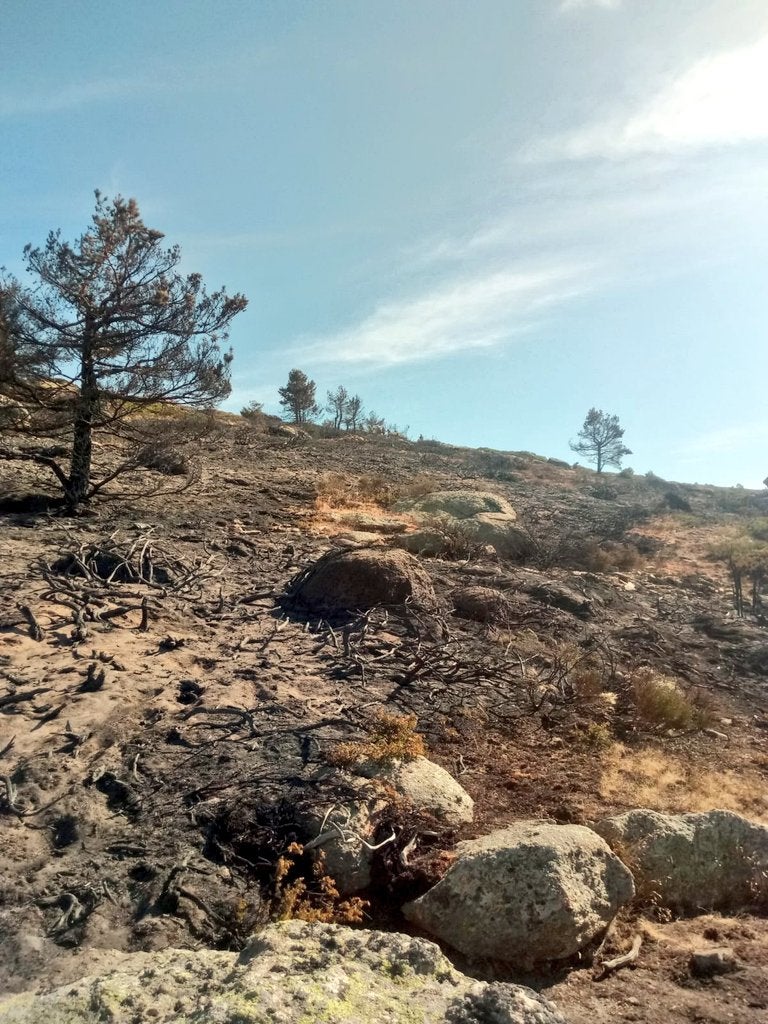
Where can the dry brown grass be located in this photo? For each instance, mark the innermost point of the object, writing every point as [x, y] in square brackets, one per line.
[390, 737]
[652, 778]
[686, 545]
[340, 490]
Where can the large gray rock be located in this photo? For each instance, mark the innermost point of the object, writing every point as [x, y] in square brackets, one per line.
[527, 893]
[459, 505]
[289, 973]
[715, 860]
[487, 517]
[555, 594]
[342, 825]
[289, 432]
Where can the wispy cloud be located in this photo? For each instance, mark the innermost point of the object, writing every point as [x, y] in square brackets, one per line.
[457, 316]
[718, 101]
[70, 96]
[723, 440]
[577, 5]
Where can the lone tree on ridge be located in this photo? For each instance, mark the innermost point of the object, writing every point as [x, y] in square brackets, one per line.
[108, 333]
[599, 440]
[298, 396]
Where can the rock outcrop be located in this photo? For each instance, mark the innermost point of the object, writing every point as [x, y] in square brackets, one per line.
[558, 596]
[426, 786]
[527, 893]
[489, 518]
[289, 973]
[289, 432]
[715, 860]
[356, 580]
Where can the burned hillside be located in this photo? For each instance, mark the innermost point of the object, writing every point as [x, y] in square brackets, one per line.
[191, 684]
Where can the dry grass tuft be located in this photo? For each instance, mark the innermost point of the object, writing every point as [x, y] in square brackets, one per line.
[390, 738]
[662, 704]
[339, 490]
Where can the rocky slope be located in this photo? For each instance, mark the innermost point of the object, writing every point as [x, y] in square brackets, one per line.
[169, 729]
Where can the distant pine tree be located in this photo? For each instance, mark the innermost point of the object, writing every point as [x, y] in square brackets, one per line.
[298, 396]
[599, 440]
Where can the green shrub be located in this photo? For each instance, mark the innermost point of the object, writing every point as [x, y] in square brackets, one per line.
[597, 736]
[661, 703]
[676, 502]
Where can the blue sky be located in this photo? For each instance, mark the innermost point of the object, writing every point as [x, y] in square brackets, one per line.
[484, 216]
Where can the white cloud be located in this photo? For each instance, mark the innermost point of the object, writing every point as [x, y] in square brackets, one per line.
[465, 314]
[723, 440]
[577, 5]
[70, 96]
[718, 101]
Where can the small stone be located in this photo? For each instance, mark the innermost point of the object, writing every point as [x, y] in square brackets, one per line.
[705, 963]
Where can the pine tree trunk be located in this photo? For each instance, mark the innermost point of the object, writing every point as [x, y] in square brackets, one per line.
[78, 485]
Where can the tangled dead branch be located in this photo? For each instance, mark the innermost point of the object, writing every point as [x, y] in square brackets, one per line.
[138, 560]
[90, 580]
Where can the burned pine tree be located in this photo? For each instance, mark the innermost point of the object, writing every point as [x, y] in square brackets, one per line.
[108, 333]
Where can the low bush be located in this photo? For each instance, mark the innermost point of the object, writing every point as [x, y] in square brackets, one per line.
[604, 492]
[417, 487]
[758, 528]
[340, 490]
[677, 502]
[495, 465]
[576, 551]
[661, 703]
[164, 459]
[456, 541]
[390, 738]
[597, 736]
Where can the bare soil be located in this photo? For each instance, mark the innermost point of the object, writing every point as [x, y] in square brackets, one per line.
[158, 733]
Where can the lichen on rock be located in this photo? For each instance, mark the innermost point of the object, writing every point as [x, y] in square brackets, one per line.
[291, 973]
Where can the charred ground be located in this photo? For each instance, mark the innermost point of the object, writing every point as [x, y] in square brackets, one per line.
[165, 707]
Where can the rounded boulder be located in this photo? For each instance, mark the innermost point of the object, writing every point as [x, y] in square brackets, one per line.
[482, 604]
[356, 580]
[528, 893]
[713, 860]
